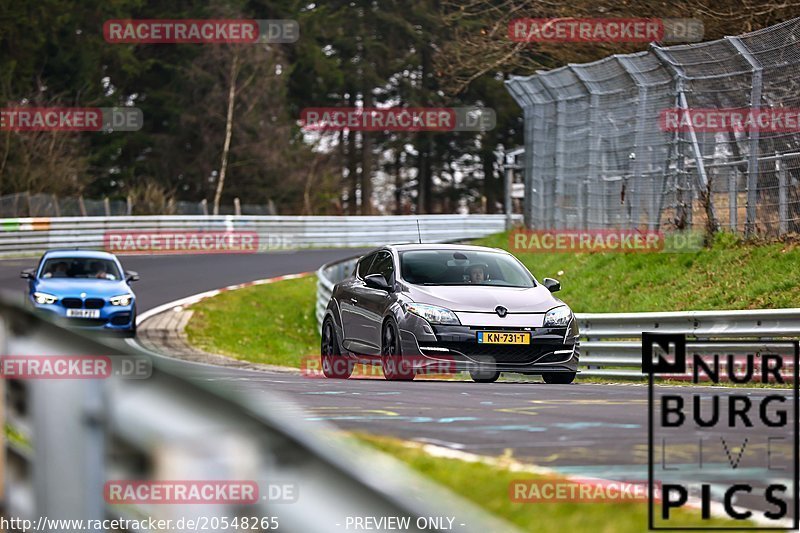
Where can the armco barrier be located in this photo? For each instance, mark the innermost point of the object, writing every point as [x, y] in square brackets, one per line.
[21, 235]
[68, 437]
[611, 342]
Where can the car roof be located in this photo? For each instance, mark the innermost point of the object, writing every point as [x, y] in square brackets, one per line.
[92, 254]
[464, 247]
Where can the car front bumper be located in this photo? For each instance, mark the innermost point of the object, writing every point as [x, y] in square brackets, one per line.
[111, 319]
[457, 347]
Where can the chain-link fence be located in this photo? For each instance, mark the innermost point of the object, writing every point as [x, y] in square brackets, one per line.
[49, 205]
[599, 153]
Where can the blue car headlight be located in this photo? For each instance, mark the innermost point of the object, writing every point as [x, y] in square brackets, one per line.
[43, 298]
[558, 317]
[434, 314]
[121, 300]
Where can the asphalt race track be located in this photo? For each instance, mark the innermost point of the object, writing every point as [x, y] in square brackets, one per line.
[165, 278]
[581, 429]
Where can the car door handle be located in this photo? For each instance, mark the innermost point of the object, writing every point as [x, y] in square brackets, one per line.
[354, 300]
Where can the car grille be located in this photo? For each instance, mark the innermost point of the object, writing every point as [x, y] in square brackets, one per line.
[72, 303]
[77, 303]
[94, 303]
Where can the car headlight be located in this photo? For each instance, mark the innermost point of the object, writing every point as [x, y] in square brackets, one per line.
[434, 314]
[558, 317]
[122, 299]
[42, 298]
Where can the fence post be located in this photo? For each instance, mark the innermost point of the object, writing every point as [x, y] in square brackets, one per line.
[510, 165]
[752, 159]
[557, 212]
[733, 200]
[594, 149]
[82, 205]
[237, 207]
[128, 205]
[783, 204]
[107, 206]
[550, 205]
[702, 178]
[204, 206]
[55, 205]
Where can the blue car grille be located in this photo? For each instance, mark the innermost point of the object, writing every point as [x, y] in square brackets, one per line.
[77, 303]
[72, 303]
[94, 303]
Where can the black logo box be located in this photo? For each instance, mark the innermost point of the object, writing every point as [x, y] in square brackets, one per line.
[678, 366]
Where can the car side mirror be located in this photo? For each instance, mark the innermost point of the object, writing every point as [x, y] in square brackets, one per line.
[377, 281]
[553, 285]
[131, 276]
[26, 274]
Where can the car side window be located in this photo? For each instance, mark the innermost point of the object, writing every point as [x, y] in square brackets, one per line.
[363, 265]
[384, 266]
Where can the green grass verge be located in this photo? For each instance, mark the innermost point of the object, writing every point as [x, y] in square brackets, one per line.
[730, 274]
[488, 487]
[275, 323]
[271, 323]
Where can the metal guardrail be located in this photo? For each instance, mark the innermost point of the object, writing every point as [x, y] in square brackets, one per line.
[21, 235]
[611, 343]
[68, 437]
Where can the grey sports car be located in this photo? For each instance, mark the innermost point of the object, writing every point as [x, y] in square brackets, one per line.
[417, 308]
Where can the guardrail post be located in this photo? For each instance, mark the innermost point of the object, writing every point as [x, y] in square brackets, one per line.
[69, 454]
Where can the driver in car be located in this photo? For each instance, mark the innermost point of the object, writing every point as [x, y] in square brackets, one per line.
[99, 271]
[476, 273]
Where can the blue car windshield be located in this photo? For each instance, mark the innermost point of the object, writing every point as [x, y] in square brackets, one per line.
[80, 267]
[463, 267]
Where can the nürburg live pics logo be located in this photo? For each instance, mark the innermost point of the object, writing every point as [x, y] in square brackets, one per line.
[723, 439]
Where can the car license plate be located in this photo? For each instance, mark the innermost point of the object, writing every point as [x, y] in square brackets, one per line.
[503, 337]
[83, 313]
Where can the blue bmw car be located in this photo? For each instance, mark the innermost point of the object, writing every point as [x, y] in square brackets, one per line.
[85, 289]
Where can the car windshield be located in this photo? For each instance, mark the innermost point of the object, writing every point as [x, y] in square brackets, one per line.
[463, 267]
[80, 267]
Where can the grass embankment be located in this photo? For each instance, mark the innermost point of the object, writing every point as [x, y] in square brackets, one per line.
[488, 487]
[271, 323]
[730, 274]
[275, 323]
